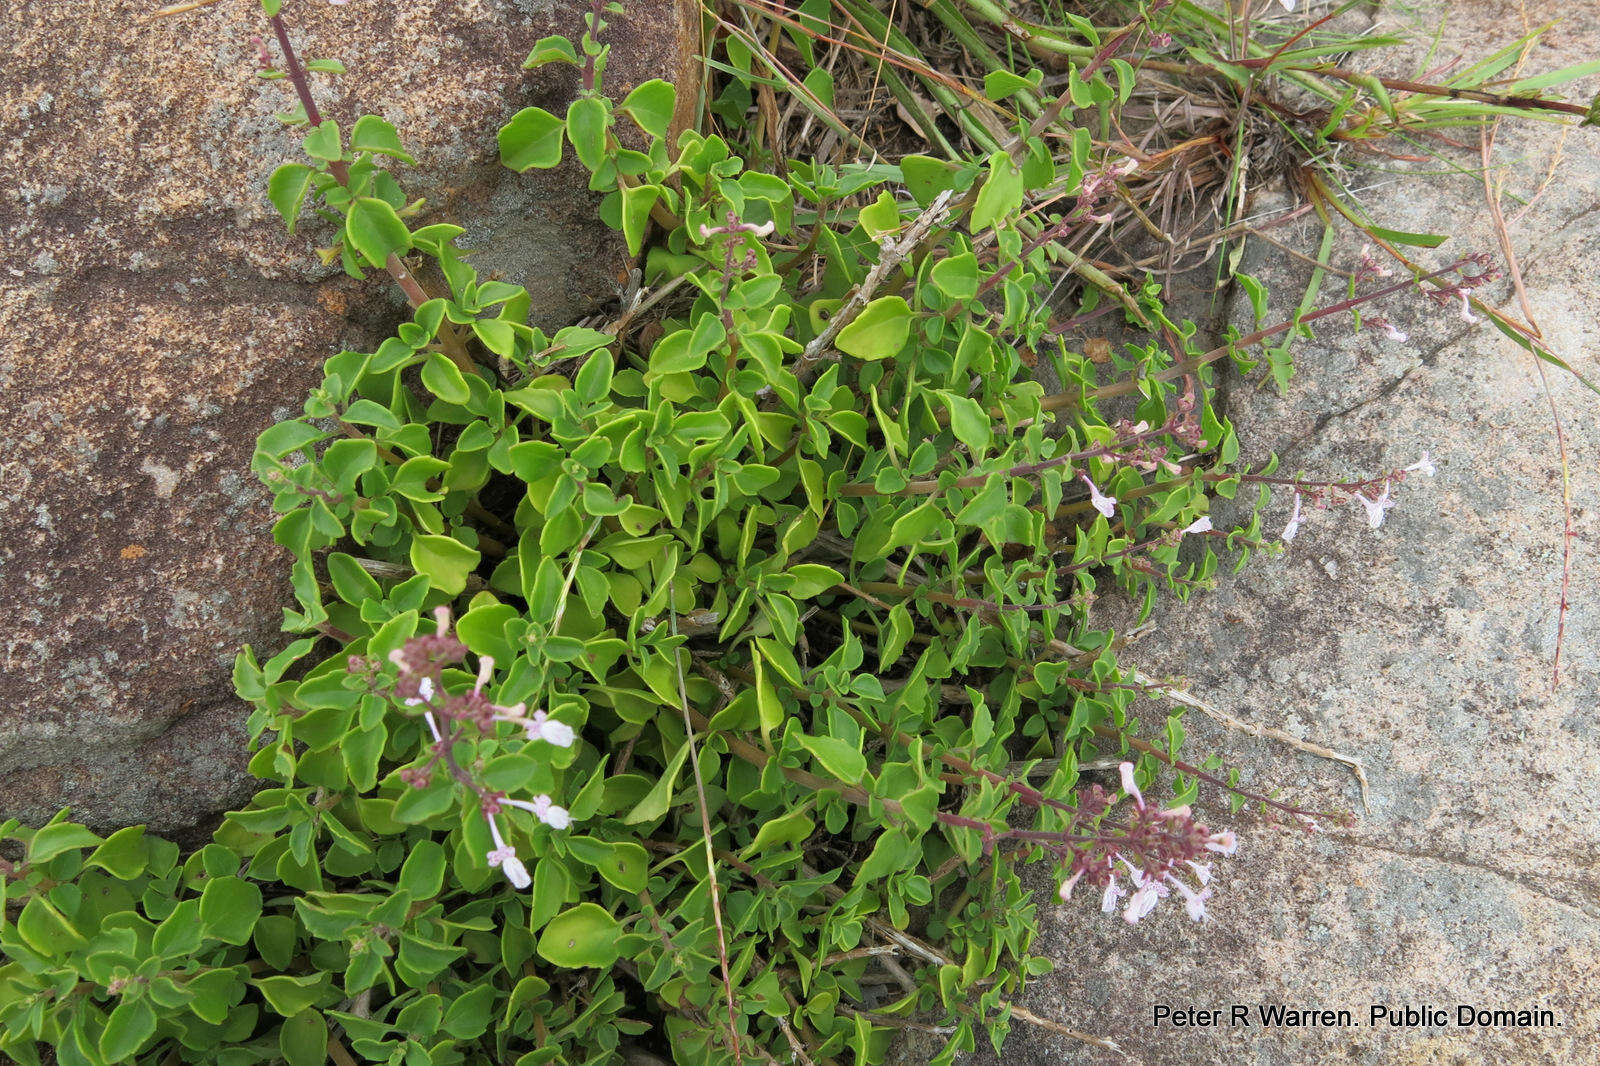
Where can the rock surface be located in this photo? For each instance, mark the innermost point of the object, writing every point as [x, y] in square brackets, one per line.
[157, 318]
[1423, 647]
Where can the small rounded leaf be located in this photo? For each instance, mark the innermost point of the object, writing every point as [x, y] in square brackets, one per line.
[531, 139]
[585, 935]
[879, 331]
[131, 1024]
[304, 1039]
[229, 907]
[374, 230]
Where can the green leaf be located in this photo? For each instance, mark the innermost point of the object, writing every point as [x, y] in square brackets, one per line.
[323, 142]
[550, 50]
[593, 382]
[179, 932]
[444, 379]
[792, 828]
[362, 750]
[811, 579]
[483, 630]
[1415, 240]
[287, 190]
[289, 996]
[374, 230]
[655, 802]
[879, 331]
[585, 935]
[304, 1039]
[637, 201]
[470, 1013]
[956, 276]
[350, 581]
[999, 84]
[676, 353]
[917, 525]
[446, 562]
[1001, 193]
[46, 930]
[927, 177]
[891, 853]
[497, 335]
[422, 874]
[970, 423]
[420, 804]
[52, 840]
[373, 134]
[769, 708]
[531, 139]
[285, 437]
[229, 907]
[841, 760]
[130, 1026]
[124, 854]
[881, 217]
[623, 863]
[652, 105]
[588, 117]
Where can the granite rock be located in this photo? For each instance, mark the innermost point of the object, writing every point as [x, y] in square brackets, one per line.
[157, 317]
[1425, 647]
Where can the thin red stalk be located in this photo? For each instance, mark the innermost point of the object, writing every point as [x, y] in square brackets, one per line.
[415, 294]
[1147, 748]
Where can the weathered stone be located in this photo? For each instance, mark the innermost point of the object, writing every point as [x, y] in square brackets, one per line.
[157, 318]
[1424, 647]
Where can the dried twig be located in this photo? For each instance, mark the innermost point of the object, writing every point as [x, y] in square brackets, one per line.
[1189, 699]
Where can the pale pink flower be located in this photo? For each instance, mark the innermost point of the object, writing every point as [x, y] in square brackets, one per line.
[1376, 508]
[1199, 525]
[1291, 530]
[425, 692]
[485, 672]
[1147, 893]
[540, 726]
[544, 809]
[1224, 843]
[1106, 505]
[1129, 785]
[1143, 901]
[1379, 322]
[1194, 902]
[1108, 901]
[1422, 466]
[1068, 885]
[505, 857]
[1466, 311]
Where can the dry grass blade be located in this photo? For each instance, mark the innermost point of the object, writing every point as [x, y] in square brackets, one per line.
[711, 858]
[1189, 699]
[1492, 194]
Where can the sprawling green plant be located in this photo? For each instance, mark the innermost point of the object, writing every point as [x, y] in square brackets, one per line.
[700, 682]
